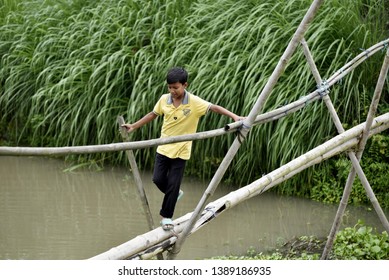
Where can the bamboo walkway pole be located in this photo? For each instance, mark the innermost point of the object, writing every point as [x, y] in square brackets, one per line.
[354, 159]
[247, 123]
[361, 147]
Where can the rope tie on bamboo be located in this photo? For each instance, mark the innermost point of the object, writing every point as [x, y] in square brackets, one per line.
[212, 210]
[285, 103]
[385, 47]
[323, 89]
[239, 132]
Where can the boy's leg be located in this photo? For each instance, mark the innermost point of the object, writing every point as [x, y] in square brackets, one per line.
[175, 174]
[161, 168]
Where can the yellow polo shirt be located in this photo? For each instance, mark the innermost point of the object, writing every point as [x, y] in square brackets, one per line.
[178, 121]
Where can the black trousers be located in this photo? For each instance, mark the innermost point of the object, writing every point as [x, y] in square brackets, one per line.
[167, 176]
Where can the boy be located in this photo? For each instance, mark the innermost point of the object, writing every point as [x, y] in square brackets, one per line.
[181, 112]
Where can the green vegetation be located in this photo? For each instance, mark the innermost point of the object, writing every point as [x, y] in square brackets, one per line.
[360, 242]
[69, 67]
[329, 182]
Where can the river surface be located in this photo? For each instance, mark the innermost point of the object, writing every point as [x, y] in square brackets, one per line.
[49, 213]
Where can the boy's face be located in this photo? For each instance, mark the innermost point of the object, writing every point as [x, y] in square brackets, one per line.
[177, 89]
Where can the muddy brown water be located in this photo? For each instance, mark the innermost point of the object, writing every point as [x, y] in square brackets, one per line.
[47, 213]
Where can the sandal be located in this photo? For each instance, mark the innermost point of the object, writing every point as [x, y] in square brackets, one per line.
[167, 224]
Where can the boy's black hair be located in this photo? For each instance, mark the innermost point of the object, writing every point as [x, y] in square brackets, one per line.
[177, 74]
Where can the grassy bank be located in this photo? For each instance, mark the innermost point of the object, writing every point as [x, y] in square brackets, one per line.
[68, 68]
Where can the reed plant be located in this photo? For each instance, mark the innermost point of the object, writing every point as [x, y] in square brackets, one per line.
[69, 68]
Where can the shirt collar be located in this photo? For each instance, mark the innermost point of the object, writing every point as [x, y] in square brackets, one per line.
[185, 100]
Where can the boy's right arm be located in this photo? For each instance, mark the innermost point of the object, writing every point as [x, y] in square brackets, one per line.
[146, 119]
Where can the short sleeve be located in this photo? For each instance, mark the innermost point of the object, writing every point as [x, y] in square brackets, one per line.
[201, 106]
[158, 107]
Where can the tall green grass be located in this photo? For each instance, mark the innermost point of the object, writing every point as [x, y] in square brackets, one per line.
[68, 68]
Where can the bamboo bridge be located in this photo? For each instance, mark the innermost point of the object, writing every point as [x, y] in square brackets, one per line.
[157, 241]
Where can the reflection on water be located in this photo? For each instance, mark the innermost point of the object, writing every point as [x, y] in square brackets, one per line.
[46, 213]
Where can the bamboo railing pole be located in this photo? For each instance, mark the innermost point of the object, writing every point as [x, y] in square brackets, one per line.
[356, 61]
[352, 156]
[137, 178]
[361, 147]
[313, 96]
[114, 147]
[247, 123]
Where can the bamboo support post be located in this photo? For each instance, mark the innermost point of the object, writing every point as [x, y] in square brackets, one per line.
[351, 176]
[137, 178]
[352, 155]
[247, 123]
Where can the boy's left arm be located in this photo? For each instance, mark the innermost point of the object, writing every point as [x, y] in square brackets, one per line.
[223, 111]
